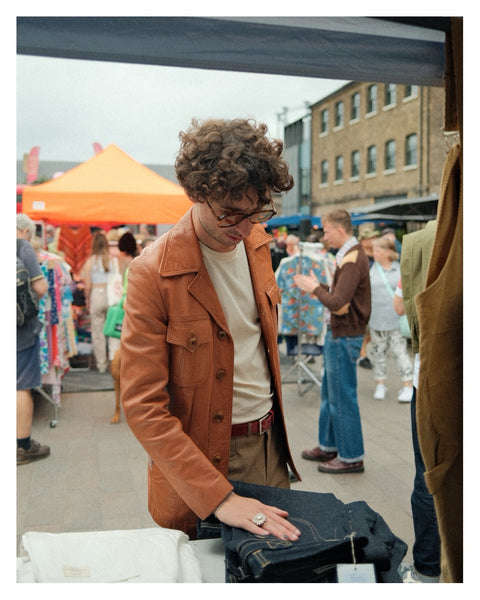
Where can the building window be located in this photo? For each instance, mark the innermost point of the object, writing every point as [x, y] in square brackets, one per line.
[390, 155]
[411, 91]
[411, 150]
[372, 99]
[324, 174]
[355, 164]
[305, 183]
[390, 94]
[339, 168]
[355, 107]
[339, 114]
[371, 160]
[324, 121]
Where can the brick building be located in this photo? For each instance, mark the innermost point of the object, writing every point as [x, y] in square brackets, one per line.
[372, 142]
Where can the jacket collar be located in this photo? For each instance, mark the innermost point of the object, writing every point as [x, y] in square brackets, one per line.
[182, 249]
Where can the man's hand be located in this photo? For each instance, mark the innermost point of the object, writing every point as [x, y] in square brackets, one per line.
[238, 511]
[307, 283]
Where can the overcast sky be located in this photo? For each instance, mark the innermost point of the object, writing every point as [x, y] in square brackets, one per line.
[65, 105]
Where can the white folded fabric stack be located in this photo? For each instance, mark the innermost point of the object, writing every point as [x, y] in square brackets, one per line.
[154, 555]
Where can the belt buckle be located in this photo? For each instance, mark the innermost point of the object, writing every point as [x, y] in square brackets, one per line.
[260, 421]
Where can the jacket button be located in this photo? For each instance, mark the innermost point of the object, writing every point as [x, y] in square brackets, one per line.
[221, 374]
[216, 459]
[192, 342]
[222, 334]
[218, 418]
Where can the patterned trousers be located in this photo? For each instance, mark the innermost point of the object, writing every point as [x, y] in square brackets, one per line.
[381, 343]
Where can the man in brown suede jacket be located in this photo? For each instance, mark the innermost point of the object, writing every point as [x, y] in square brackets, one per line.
[340, 448]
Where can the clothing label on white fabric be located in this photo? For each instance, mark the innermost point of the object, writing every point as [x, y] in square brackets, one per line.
[75, 571]
[349, 573]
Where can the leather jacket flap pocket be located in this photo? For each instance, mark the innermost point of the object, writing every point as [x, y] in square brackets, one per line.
[189, 334]
[190, 344]
[273, 292]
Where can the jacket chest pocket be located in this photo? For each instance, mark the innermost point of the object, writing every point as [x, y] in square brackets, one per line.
[190, 348]
[273, 293]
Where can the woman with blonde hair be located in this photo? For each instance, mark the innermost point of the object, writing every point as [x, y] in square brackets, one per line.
[95, 276]
[384, 321]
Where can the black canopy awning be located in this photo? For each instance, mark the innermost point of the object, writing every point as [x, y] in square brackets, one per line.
[408, 50]
[420, 209]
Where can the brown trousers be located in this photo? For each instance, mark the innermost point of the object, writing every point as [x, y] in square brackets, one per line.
[259, 459]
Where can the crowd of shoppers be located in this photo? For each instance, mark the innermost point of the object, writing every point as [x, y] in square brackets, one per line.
[197, 321]
[88, 288]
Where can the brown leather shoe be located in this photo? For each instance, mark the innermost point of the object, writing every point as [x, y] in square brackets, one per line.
[337, 466]
[318, 454]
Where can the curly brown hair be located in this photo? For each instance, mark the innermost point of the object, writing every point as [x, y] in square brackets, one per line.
[220, 158]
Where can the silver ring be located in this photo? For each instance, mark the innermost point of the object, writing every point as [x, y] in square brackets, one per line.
[259, 519]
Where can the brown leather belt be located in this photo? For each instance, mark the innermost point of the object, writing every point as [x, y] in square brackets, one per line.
[259, 426]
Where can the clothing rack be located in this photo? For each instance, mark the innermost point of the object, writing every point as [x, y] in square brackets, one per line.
[305, 352]
[48, 397]
[57, 336]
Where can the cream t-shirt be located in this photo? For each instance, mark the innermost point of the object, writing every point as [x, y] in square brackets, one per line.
[230, 274]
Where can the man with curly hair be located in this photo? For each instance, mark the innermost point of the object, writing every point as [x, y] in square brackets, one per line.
[200, 375]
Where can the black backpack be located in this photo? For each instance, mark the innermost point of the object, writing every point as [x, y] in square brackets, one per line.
[27, 300]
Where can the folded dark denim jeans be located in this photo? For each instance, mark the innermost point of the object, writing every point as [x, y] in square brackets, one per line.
[384, 549]
[332, 533]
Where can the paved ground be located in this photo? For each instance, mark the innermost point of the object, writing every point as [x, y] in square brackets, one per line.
[95, 478]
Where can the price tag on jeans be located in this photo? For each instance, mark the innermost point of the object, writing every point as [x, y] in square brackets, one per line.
[356, 573]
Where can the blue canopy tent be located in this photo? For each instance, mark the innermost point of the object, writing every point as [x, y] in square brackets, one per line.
[293, 221]
[388, 212]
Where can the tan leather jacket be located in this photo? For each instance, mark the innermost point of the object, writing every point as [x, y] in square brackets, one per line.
[177, 371]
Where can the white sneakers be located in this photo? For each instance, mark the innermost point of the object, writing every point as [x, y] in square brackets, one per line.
[409, 574]
[380, 392]
[405, 395]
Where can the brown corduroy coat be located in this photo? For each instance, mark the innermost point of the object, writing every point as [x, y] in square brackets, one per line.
[440, 389]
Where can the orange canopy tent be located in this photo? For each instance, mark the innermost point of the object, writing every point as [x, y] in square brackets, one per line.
[109, 188]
